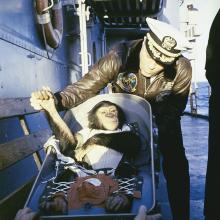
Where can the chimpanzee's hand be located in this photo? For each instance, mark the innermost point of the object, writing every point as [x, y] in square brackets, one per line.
[56, 205]
[36, 97]
[118, 203]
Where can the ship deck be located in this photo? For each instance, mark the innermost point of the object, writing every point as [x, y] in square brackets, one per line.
[195, 137]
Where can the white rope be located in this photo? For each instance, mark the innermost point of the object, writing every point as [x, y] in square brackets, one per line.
[126, 185]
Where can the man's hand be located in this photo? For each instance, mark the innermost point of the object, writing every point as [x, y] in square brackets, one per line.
[26, 214]
[36, 97]
[143, 216]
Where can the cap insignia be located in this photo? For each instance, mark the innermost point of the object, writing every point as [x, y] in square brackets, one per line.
[168, 43]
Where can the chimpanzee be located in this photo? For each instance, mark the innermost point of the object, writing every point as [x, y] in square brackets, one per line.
[107, 137]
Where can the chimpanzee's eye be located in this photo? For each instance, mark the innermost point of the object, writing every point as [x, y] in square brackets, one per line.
[113, 111]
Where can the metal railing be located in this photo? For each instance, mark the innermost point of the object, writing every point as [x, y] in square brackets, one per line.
[198, 99]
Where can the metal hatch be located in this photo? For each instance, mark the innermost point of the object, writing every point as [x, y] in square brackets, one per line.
[125, 13]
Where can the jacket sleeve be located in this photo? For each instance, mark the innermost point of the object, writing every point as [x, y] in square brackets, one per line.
[183, 77]
[91, 84]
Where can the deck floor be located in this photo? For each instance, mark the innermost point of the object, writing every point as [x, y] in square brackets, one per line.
[195, 137]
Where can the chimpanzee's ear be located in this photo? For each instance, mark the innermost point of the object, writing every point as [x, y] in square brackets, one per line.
[94, 122]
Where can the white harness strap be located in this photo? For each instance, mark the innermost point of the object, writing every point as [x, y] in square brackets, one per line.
[69, 162]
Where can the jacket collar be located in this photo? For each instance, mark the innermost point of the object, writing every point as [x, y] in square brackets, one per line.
[131, 62]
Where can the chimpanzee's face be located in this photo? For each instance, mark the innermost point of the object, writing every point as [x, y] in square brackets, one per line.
[108, 117]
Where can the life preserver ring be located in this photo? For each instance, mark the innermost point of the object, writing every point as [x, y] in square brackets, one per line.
[51, 21]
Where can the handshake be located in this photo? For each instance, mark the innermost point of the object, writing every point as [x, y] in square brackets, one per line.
[43, 100]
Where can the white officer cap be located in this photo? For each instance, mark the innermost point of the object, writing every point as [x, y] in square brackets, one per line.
[164, 43]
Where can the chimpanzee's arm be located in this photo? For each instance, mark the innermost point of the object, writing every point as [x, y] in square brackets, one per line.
[60, 129]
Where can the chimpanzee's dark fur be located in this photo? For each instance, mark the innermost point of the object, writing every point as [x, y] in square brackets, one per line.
[125, 142]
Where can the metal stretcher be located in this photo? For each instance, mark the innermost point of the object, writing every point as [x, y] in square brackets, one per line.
[137, 110]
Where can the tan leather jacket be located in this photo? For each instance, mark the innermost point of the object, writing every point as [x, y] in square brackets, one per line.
[121, 68]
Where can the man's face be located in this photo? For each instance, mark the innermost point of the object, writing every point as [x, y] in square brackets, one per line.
[148, 66]
[108, 117]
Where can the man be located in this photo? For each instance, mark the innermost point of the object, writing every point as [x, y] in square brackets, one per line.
[154, 69]
[212, 191]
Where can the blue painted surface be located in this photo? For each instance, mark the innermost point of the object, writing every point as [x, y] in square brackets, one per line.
[10, 129]
[19, 173]
[13, 177]
[24, 62]
[16, 175]
[37, 122]
[25, 67]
